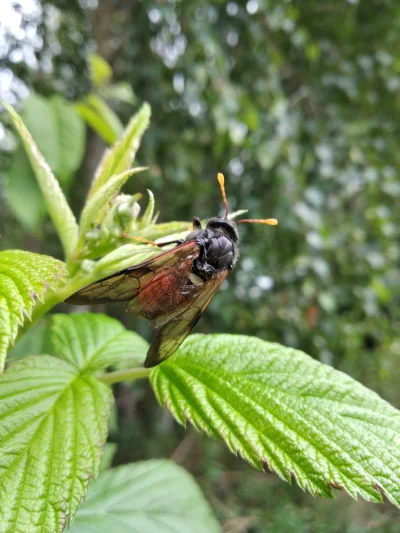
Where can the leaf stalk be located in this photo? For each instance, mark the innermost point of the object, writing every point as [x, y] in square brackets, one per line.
[125, 375]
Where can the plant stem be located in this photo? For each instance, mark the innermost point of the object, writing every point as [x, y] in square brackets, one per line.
[124, 375]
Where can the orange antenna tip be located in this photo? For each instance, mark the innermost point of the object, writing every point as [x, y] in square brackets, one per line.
[221, 181]
[269, 221]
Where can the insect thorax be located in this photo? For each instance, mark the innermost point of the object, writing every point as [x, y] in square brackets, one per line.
[217, 252]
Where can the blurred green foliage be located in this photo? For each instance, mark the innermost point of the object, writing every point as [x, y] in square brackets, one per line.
[297, 103]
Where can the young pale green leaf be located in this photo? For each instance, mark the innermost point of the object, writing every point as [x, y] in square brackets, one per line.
[148, 214]
[283, 411]
[124, 257]
[166, 231]
[53, 425]
[120, 157]
[120, 92]
[59, 133]
[100, 117]
[93, 341]
[145, 497]
[96, 204]
[24, 279]
[57, 205]
[100, 70]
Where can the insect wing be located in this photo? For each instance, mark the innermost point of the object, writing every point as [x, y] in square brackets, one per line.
[127, 284]
[164, 292]
[172, 329]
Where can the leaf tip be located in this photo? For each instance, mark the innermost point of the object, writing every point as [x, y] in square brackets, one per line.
[336, 485]
[380, 492]
[266, 466]
[146, 108]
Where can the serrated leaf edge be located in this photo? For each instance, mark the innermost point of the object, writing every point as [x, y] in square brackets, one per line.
[183, 416]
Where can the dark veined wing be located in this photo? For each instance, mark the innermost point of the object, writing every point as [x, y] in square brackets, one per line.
[164, 292]
[127, 284]
[173, 328]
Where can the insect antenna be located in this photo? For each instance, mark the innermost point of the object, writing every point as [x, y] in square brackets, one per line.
[221, 181]
[269, 221]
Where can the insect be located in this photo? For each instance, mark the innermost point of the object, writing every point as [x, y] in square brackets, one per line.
[173, 289]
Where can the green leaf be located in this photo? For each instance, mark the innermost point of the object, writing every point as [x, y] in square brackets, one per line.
[110, 449]
[124, 257]
[24, 279]
[168, 231]
[93, 341]
[57, 205]
[120, 92]
[100, 117]
[34, 342]
[148, 214]
[96, 204]
[145, 497]
[29, 208]
[68, 131]
[120, 157]
[59, 133]
[100, 70]
[281, 410]
[96, 338]
[53, 424]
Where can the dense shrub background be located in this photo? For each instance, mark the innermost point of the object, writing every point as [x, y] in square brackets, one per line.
[298, 104]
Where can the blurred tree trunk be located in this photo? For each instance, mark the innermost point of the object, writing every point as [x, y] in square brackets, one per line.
[109, 20]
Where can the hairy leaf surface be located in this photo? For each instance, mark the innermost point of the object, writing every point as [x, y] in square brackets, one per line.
[121, 155]
[145, 497]
[24, 279]
[283, 411]
[53, 425]
[98, 203]
[93, 341]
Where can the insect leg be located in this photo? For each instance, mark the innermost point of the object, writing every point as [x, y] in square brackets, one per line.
[177, 242]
